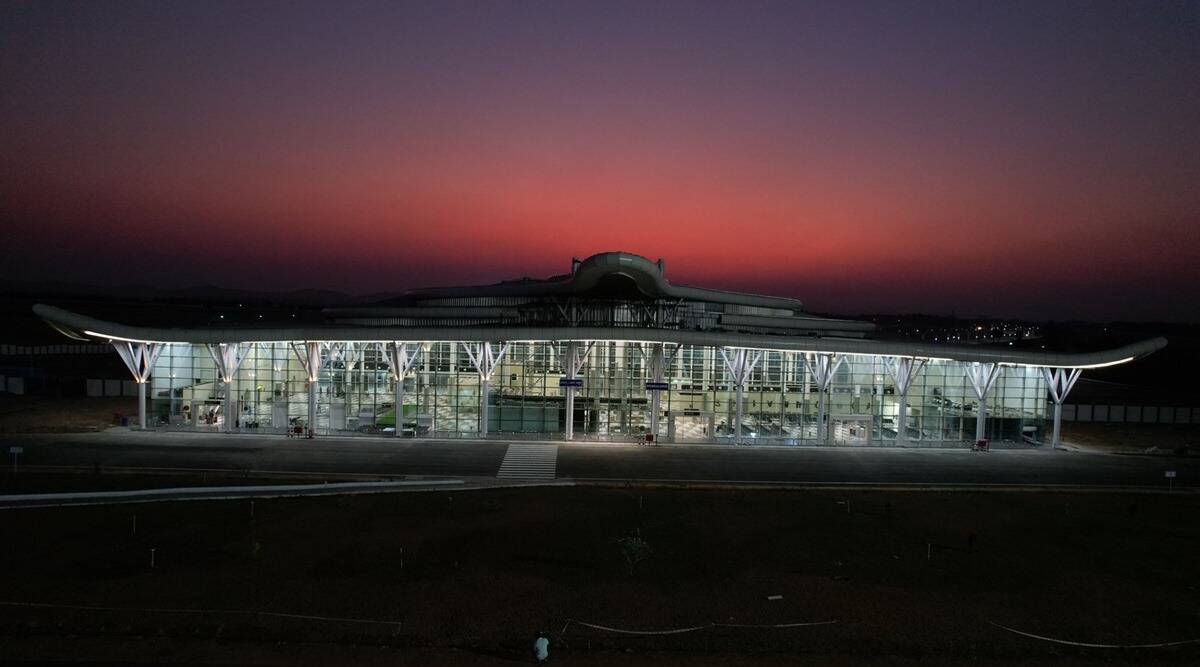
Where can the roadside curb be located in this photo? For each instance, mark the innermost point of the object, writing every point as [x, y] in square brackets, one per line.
[72, 499]
[877, 486]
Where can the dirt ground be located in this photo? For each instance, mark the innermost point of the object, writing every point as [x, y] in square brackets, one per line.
[30, 414]
[468, 577]
[1131, 438]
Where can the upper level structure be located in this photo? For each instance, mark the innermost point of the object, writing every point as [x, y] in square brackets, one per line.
[612, 289]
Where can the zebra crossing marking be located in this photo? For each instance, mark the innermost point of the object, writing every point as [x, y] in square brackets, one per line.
[529, 461]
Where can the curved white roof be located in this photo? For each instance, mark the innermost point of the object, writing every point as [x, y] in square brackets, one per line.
[82, 326]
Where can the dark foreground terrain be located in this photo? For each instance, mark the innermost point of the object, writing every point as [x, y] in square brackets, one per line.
[468, 578]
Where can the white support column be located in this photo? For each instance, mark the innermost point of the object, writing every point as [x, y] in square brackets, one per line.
[1061, 381]
[902, 371]
[656, 375]
[347, 353]
[659, 360]
[983, 377]
[139, 358]
[486, 360]
[277, 366]
[400, 358]
[351, 355]
[823, 367]
[740, 363]
[310, 359]
[574, 358]
[568, 365]
[228, 358]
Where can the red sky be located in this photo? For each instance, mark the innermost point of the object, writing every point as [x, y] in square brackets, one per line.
[1017, 160]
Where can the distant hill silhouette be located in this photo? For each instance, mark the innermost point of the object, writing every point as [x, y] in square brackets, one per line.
[210, 294]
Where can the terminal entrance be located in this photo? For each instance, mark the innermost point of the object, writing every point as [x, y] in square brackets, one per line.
[851, 430]
[204, 414]
[689, 427]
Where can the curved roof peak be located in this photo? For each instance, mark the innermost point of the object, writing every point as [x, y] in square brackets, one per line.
[619, 258]
[649, 277]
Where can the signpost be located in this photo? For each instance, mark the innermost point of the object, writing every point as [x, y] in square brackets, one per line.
[658, 386]
[570, 382]
[15, 451]
[1170, 475]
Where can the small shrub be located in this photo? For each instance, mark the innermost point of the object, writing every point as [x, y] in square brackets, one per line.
[635, 550]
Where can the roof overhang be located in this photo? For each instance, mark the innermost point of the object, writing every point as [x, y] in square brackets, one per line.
[81, 325]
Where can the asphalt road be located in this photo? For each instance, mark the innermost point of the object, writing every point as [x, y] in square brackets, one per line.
[697, 463]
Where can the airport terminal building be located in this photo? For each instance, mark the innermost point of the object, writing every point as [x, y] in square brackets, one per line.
[611, 351]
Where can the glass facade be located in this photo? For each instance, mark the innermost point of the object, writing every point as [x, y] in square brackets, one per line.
[441, 398]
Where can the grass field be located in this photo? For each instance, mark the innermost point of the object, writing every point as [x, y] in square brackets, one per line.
[468, 577]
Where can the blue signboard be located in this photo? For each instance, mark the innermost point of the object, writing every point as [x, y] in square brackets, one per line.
[570, 382]
[658, 386]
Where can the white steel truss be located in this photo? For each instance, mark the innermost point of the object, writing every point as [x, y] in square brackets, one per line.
[983, 377]
[228, 357]
[400, 358]
[575, 356]
[139, 358]
[346, 353]
[308, 354]
[485, 359]
[659, 358]
[902, 371]
[740, 363]
[823, 367]
[1061, 381]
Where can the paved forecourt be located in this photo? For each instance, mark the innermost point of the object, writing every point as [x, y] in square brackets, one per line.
[382, 457]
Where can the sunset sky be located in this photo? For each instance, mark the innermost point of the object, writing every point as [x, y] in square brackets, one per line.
[1014, 159]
